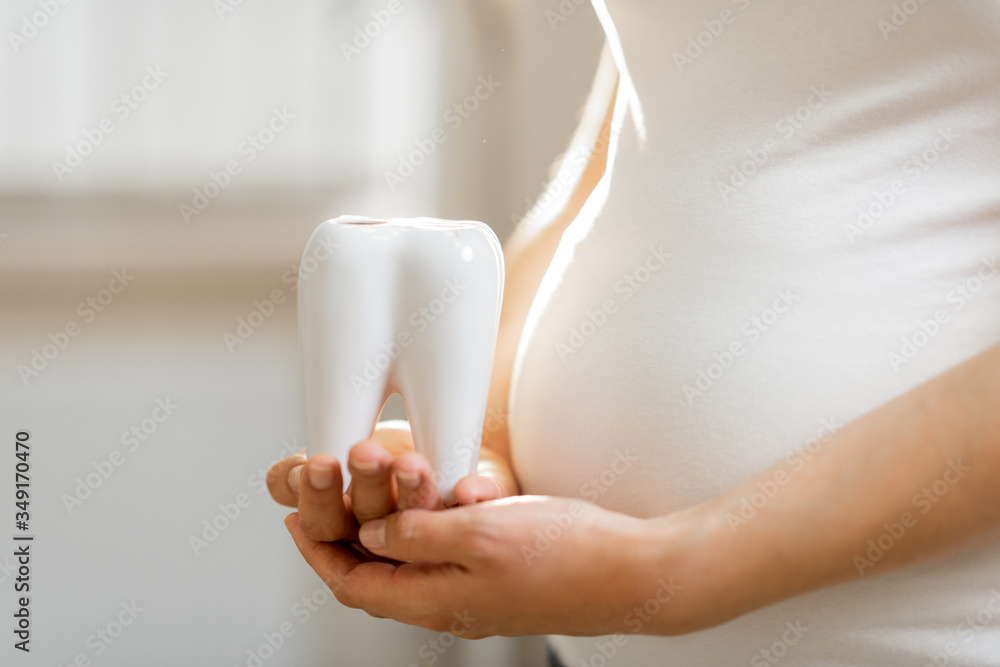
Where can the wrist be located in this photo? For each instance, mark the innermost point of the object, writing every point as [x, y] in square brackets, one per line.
[681, 566]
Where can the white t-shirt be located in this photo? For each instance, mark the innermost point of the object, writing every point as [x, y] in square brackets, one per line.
[802, 222]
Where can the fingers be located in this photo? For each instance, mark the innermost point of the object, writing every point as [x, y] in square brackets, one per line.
[279, 480]
[415, 481]
[415, 594]
[372, 495]
[332, 562]
[419, 535]
[479, 488]
[322, 513]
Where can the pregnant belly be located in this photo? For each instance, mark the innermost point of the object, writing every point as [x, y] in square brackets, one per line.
[657, 371]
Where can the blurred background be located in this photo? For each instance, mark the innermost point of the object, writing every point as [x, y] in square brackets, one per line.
[161, 167]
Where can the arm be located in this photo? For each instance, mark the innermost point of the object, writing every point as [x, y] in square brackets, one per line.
[920, 469]
[915, 477]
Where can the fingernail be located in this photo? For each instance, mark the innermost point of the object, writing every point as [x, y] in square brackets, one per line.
[321, 475]
[409, 480]
[294, 475]
[372, 534]
[366, 466]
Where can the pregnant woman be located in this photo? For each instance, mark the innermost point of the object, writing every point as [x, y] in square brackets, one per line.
[745, 406]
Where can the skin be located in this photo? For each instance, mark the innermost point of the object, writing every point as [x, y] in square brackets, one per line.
[916, 475]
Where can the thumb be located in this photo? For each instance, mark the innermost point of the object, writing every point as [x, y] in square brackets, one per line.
[419, 535]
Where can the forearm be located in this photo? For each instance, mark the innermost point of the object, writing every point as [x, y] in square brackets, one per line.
[911, 481]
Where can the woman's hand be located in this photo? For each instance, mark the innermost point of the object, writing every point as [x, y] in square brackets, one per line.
[522, 565]
[387, 475]
[854, 507]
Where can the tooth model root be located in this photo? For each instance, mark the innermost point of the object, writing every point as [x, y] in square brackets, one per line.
[409, 306]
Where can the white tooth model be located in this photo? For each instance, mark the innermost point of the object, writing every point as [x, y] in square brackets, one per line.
[402, 305]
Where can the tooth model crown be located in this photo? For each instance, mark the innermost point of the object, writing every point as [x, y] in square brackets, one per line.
[408, 306]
